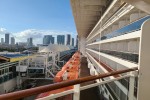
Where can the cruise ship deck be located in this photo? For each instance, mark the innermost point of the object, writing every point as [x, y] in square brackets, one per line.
[113, 54]
[92, 93]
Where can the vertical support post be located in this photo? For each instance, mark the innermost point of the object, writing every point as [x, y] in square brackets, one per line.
[144, 59]
[76, 95]
[59, 56]
[63, 62]
[131, 86]
[46, 63]
[28, 65]
[82, 44]
[19, 77]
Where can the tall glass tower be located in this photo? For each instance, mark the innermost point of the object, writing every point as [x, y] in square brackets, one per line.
[7, 38]
[61, 39]
[68, 39]
[48, 39]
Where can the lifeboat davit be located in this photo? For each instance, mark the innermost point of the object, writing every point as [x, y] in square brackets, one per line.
[69, 71]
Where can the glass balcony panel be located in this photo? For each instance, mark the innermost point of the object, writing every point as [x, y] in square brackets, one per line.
[123, 55]
[126, 29]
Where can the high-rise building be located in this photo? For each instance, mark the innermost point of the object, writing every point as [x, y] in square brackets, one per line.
[77, 41]
[7, 38]
[52, 40]
[72, 41]
[61, 39]
[48, 39]
[12, 41]
[2, 40]
[68, 39]
[29, 42]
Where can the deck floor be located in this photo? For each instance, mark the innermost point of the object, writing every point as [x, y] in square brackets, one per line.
[88, 94]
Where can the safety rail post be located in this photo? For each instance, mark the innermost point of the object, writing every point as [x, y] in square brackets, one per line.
[76, 95]
[131, 85]
[50, 87]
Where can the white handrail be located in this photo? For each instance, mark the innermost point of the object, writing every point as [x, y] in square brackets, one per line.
[53, 96]
[103, 82]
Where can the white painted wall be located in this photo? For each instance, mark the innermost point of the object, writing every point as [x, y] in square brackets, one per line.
[82, 42]
[144, 59]
[8, 86]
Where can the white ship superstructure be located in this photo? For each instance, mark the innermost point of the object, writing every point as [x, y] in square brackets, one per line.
[112, 35]
[113, 44]
[16, 68]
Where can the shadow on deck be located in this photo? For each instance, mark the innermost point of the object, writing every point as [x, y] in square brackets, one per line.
[88, 94]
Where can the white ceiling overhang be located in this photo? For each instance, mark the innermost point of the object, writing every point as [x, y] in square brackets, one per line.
[87, 13]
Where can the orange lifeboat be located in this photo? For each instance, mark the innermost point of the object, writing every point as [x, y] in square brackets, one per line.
[66, 75]
[64, 67]
[73, 75]
[71, 67]
[75, 61]
[69, 71]
[58, 77]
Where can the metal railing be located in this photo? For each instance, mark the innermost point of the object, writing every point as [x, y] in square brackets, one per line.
[126, 29]
[6, 64]
[76, 83]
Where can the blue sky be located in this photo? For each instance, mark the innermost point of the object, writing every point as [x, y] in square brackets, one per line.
[34, 18]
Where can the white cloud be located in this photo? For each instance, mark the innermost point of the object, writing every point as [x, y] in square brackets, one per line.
[2, 30]
[38, 35]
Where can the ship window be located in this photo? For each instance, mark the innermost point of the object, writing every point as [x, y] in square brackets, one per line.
[1, 80]
[40, 71]
[15, 74]
[35, 71]
[3, 71]
[6, 78]
[6, 70]
[10, 76]
[50, 58]
[10, 69]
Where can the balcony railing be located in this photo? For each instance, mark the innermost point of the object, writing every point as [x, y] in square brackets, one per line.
[76, 83]
[126, 29]
[127, 56]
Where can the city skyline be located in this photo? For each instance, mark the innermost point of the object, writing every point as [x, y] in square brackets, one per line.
[12, 40]
[34, 20]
